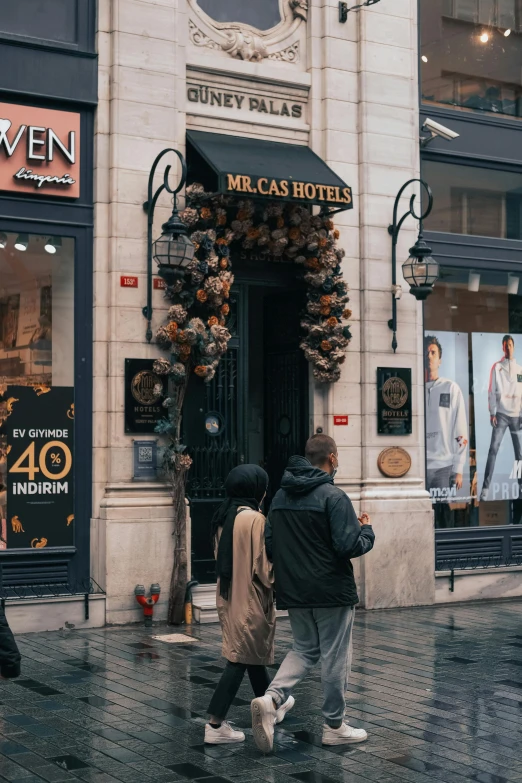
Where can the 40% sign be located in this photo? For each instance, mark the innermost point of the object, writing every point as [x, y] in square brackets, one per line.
[54, 460]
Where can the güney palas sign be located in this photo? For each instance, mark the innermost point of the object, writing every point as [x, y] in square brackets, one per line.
[39, 151]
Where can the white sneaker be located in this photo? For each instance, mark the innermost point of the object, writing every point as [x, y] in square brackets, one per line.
[223, 735]
[345, 734]
[283, 709]
[263, 719]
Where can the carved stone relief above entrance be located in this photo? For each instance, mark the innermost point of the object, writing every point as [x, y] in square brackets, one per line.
[253, 31]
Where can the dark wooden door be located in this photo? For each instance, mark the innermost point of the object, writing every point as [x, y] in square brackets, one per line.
[286, 385]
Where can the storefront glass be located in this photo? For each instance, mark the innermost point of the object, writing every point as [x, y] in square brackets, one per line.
[36, 390]
[473, 389]
[470, 55]
[474, 200]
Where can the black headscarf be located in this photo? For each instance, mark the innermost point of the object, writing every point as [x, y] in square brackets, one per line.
[245, 486]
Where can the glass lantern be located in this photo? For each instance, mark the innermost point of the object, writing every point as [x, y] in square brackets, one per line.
[420, 271]
[173, 250]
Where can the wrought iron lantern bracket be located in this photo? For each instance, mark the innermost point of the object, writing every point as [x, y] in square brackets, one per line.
[149, 207]
[418, 251]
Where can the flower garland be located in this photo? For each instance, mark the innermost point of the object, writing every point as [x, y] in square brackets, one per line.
[196, 335]
[218, 225]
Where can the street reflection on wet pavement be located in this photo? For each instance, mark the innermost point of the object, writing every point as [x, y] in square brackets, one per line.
[439, 690]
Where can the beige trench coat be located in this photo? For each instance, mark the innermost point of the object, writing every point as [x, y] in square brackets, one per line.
[248, 617]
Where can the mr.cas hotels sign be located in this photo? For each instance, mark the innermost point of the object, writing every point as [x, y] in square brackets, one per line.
[290, 190]
[39, 151]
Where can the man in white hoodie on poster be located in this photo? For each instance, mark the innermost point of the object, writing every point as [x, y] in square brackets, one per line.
[505, 402]
[446, 428]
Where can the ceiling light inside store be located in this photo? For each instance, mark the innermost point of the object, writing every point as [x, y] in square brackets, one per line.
[484, 37]
[22, 240]
[424, 58]
[474, 281]
[53, 244]
[507, 32]
[454, 307]
[512, 286]
[3, 240]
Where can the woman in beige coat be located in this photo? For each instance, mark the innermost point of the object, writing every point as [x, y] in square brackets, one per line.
[245, 600]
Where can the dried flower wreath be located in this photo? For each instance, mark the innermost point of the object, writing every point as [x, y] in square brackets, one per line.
[285, 231]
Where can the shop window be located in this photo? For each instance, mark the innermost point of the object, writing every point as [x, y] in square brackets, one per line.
[473, 389]
[261, 14]
[473, 200]
[470, 55]
[36, 391]
[54, 20]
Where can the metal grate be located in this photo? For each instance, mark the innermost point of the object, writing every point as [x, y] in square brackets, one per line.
[486, 549]
[26, 572]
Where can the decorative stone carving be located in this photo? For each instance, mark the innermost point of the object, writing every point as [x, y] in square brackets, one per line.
[199, 38]
[246, 45]
[288, 55]
[300, 9]
[246, 42]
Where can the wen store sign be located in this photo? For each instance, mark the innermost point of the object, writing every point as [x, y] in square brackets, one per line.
[39, 151]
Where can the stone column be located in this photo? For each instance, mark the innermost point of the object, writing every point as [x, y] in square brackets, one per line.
[333, 63]
[400, 570]
[141, 46]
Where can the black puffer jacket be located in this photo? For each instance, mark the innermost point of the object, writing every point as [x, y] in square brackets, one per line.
[9, 656]
[311, 533]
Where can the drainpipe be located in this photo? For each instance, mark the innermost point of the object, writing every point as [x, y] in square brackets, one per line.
[147, 603]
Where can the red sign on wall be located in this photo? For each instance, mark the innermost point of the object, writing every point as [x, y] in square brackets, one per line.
[128, 281]
[340, 421]
[159, 284]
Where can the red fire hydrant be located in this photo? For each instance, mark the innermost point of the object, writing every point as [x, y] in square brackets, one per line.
[147, 603]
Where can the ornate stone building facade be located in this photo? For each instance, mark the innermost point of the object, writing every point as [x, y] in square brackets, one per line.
[347, 91]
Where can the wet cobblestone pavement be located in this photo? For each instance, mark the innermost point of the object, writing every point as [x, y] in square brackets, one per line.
[439, 691]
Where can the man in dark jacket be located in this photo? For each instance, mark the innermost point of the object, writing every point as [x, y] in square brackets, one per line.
[9, 656]
[311, 534]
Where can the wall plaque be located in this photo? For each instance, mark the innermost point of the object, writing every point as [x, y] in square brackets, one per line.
[394, 413]
[145, 460]
[394, 462]
[144, 393]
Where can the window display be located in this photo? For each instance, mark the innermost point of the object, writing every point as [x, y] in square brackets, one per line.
[36, 391]
[474, 200]
[473, 390]
[470, 55]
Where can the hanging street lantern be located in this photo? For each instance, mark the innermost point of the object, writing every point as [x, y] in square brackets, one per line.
[420, 271]
[173, 250]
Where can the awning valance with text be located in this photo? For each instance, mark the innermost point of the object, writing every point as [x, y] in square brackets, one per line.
[256, 168]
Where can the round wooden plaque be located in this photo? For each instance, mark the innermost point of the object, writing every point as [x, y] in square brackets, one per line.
[394, 462]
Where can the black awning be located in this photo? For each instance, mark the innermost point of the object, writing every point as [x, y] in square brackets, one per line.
[266, 169]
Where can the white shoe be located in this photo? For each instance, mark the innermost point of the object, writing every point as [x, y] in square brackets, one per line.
[345, 734]
[223, 735]
[263, 720]
[283, 709]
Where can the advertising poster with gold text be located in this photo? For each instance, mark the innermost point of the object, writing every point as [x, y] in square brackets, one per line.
[40, 447]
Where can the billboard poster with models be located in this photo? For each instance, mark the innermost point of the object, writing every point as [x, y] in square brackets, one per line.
[447, 416]
[497, 382]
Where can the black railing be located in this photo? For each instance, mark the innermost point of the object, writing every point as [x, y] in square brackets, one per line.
[35, 590]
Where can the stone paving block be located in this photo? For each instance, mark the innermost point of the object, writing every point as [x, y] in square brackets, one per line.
[130, 708]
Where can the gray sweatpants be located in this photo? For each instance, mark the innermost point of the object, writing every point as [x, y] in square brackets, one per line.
[319, 634]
